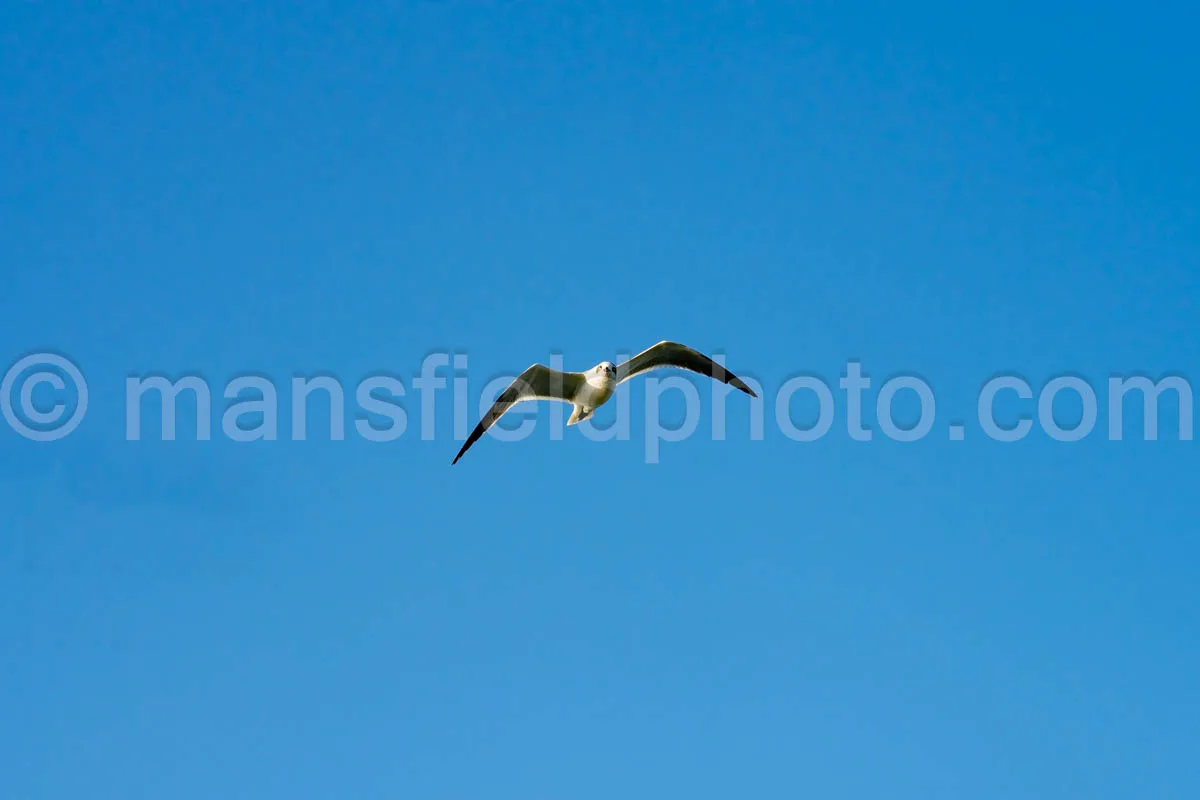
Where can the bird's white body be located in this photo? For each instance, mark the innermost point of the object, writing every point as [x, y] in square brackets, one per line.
[597, 388]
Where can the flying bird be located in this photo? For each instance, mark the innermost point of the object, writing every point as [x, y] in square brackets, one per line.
[587, 391]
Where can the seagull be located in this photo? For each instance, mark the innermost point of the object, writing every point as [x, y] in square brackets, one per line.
[587, 391]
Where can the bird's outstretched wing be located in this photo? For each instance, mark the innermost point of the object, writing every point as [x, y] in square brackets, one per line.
[536, 383]
[672, 354]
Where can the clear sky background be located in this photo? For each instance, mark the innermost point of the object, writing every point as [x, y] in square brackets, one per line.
[941, 189]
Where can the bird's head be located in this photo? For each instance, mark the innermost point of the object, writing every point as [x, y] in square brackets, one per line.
[607, 369]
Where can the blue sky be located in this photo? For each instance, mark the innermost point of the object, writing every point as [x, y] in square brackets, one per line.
[932, 189]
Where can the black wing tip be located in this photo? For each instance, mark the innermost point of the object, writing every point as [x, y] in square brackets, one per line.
[740, 385]
[725, 376]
